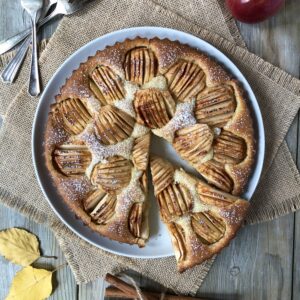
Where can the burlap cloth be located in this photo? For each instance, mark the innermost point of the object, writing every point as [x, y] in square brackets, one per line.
[276, 91]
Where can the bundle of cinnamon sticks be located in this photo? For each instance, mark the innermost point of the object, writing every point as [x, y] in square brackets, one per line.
[121, 289]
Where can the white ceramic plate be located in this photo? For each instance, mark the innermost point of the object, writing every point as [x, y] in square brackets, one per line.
[159, 244]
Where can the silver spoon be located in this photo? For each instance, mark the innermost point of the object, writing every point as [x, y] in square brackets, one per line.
[63, 7]
[34, 9]
[11, 70]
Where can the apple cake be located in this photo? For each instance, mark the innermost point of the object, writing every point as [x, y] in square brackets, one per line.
[98, 136]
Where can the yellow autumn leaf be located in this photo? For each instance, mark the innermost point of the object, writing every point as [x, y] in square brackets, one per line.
[31, 284]
[19, 246]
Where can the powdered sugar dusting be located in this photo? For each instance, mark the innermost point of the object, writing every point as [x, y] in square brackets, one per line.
[131, 194]
[197, 247]
[56, 136]
[184, 116]
[118, 228]
[130, 89]
[139, 130]
[240, 123]
[93, 104]
[76, 189]
[83, 91]
[241, 174]
[114, 60]
[169, 55]
[158, 82]
[232, 215]
[101, 152]
[126, 104]
[217, 74]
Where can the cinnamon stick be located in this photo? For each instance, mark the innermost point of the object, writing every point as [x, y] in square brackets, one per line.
[128, 290]
[112, 292]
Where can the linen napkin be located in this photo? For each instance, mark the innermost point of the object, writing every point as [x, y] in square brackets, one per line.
[276, 91]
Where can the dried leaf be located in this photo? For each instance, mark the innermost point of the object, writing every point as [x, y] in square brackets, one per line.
[19, 246]
[31, 284]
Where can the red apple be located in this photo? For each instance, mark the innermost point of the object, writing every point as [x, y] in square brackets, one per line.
[252, 11]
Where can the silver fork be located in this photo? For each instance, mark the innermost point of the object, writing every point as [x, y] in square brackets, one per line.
[34, 9]
[11, 70]
[63, 7]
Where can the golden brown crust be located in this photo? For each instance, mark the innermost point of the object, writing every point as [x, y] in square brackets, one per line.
[106, 109]
[242, 126]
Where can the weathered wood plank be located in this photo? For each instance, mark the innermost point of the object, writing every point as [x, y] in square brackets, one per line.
[283, 48]
[63, 281]
[277, 39]
[296, 265]
[292, 65]
[256, 265]
[93, 290]
[296, 257]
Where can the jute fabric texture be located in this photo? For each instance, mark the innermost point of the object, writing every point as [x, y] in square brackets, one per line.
[277, 92]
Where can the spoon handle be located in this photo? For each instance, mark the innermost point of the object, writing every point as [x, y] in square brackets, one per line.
[34, 88]
[10, 72]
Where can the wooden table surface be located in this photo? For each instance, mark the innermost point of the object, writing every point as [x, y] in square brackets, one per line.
[263, 261]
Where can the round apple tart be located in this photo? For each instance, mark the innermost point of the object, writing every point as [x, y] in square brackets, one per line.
[98, 137]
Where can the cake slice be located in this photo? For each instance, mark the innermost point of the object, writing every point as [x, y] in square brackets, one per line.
[200, 218]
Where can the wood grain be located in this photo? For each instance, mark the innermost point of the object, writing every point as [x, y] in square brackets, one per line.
[256, 265]
[262, 262]
[12, 20]
[278, 41]
[93, 290]
[63, 282]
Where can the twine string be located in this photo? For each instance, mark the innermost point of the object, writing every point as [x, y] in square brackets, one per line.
[163, 294]
[139, 291]
[137, 288]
